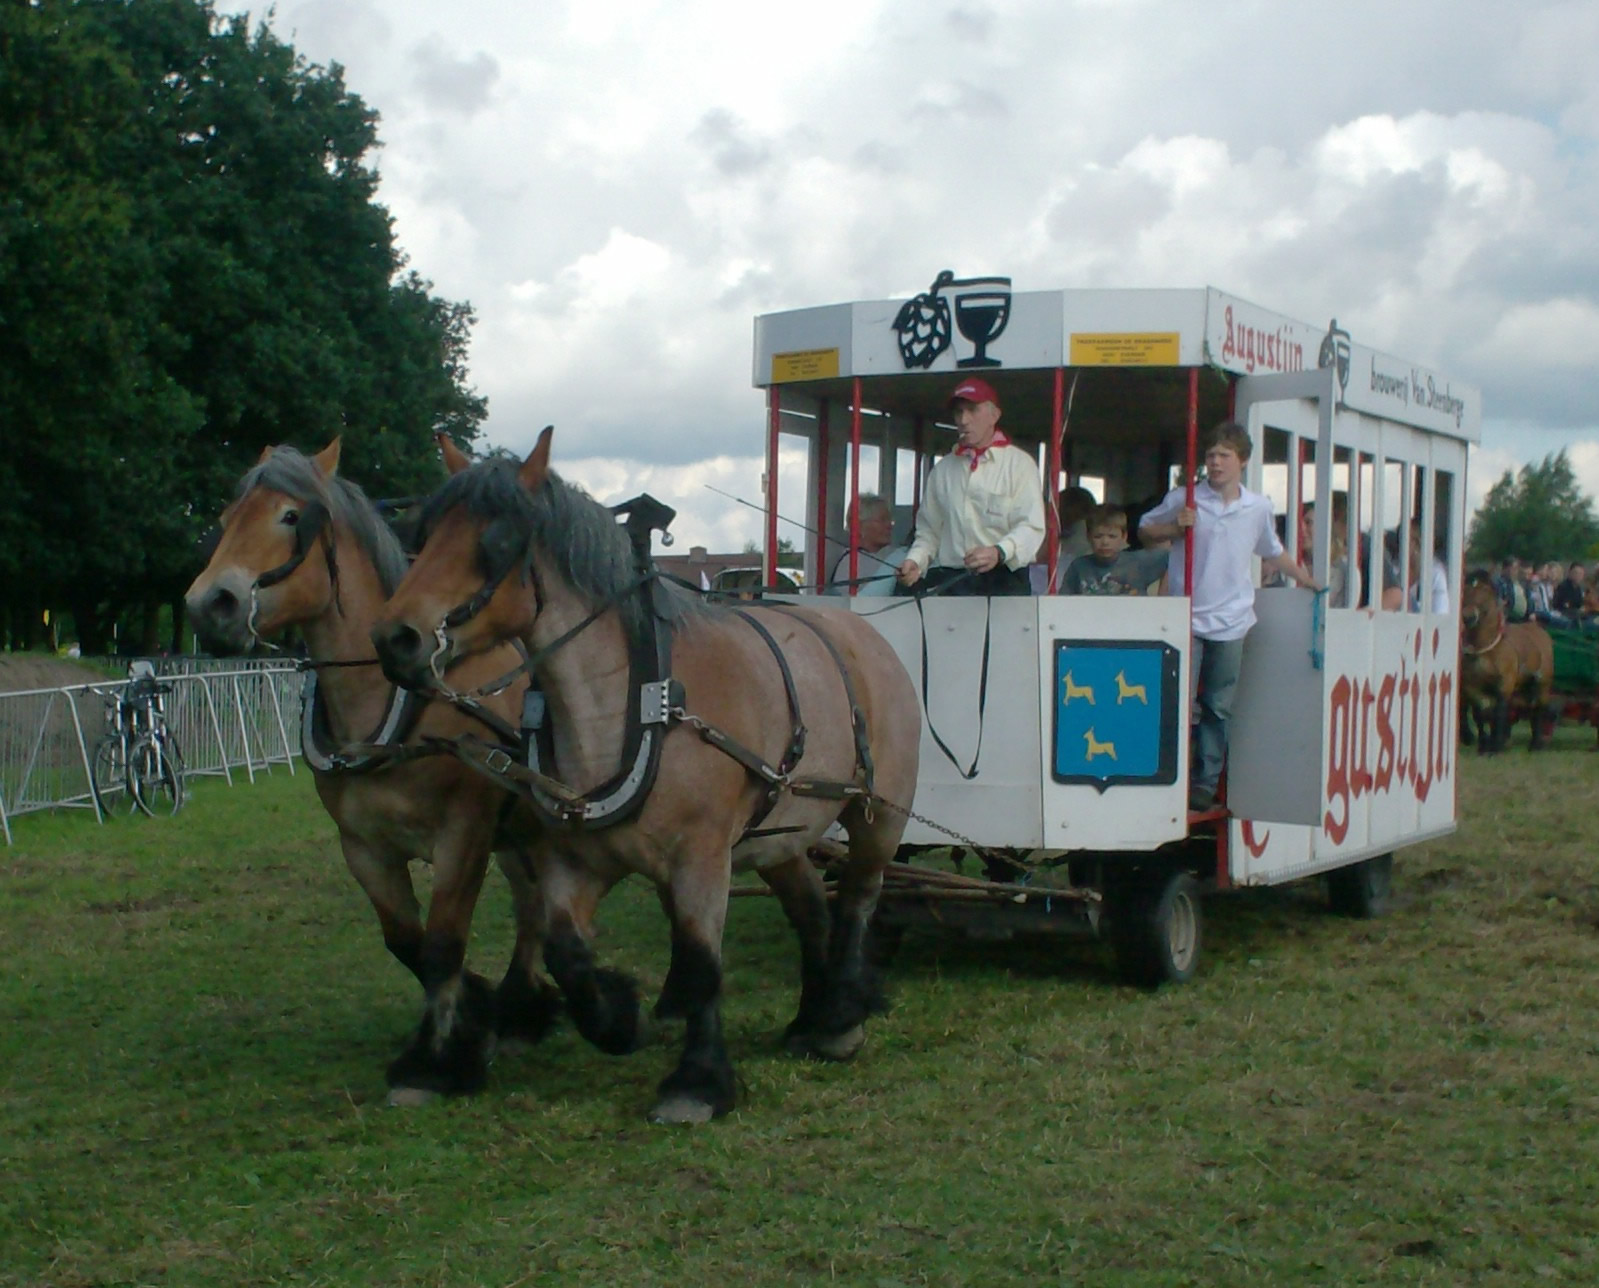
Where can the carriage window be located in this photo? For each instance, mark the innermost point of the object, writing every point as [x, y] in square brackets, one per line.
[1394, 514]
[1276, 444]
[1368, 551]
[869, 460]
[904, 475]
[1443, 525]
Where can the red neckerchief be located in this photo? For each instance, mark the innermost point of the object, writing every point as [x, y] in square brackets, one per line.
[977, 453]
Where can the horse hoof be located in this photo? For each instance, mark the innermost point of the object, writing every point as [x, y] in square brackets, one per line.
[411, 1097]
[797, 1043]
[839, 1046]
[681, 1110]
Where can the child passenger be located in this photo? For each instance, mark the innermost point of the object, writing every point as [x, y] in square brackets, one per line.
[1111, 568]
[1227, 524]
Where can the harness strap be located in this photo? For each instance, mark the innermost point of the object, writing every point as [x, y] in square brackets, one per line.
[792, 754]
[982, 690]
[494, 761]
[857, 718]
[796, 742]
[398, 720]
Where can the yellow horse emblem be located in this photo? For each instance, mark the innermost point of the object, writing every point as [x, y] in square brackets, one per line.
[1097, 748]
[1124, 691]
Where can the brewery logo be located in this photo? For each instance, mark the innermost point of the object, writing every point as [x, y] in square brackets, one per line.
[1335, 353]
[981, 310]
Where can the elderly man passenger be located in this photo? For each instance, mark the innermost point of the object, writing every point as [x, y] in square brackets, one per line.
[879, 557]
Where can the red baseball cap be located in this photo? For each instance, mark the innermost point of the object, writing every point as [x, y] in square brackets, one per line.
[974, 390]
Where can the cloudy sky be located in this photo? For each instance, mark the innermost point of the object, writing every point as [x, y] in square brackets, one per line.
[619, 186]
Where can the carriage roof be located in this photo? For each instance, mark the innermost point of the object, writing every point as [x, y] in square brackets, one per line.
[1141, 340]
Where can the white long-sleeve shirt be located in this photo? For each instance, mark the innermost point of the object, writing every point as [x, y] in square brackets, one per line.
[1226, 534]
[1000, 503]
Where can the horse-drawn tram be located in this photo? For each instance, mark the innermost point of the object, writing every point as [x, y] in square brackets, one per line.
[1055, 746]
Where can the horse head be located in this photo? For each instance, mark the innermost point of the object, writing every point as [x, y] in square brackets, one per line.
[460, 597]
[260, 577]
[1479, 609]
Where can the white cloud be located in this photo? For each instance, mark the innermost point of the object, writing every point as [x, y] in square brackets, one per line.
[619, 187]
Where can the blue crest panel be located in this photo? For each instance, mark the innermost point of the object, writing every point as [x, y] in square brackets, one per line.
[1117, 704]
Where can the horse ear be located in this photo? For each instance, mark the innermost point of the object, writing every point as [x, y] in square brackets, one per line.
[537, 465]
[266, 454]
[455, 460]
[327, 460]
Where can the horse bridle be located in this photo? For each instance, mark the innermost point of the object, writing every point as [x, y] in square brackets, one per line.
[501, 548]
[312, 521]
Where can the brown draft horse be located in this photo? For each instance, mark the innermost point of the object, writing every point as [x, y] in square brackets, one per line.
[564, 559]
[301, 546]
[1499, 661]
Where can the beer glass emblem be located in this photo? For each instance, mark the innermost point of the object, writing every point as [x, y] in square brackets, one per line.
[981, 310]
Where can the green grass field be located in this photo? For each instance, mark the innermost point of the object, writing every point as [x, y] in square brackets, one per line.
[196, 1015]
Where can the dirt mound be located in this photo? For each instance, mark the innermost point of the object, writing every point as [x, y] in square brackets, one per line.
[36, 671]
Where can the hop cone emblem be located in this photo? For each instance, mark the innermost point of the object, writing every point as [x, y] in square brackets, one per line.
[923, 324]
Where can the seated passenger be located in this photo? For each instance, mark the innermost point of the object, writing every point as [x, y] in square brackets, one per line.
[1438, 587]
[1338, 595]
[1113, 569]
[1568, 596]
[879, 559]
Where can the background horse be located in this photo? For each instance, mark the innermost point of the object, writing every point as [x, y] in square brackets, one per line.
[570, 562]
[302, 547]
[1500, 661]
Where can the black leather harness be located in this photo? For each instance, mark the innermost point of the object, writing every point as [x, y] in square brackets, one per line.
[518, 761]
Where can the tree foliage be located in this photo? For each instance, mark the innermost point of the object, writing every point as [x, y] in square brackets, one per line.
[1537, 514]
[193, 265]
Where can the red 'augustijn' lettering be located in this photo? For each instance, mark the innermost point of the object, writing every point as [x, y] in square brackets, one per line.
[1412, 719]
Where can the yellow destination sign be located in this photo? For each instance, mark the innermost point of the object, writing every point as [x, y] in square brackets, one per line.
[1124, 348]
[804, 364]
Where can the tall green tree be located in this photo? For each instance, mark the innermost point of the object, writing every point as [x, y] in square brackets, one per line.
[1537, 514]
[193, 265]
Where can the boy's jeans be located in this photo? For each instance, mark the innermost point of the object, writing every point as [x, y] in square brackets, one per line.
[1215, 665]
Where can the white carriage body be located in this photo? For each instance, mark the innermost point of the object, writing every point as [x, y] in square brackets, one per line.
[1343, 739]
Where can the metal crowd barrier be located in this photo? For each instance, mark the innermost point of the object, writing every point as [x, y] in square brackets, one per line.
[228, 715]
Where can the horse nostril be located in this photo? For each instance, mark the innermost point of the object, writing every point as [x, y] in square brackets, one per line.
[397, 642]
[220, 605]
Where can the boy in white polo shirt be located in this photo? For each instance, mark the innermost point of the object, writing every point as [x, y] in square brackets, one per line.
[1229, 524]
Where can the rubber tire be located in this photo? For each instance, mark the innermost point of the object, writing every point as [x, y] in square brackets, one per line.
[155, 780]
[1156, 928]
[1362, 889]
[108, 780]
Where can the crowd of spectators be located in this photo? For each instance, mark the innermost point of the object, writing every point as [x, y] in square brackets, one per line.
[1547, 593]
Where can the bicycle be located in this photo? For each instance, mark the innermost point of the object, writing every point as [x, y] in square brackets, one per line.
[137, 764]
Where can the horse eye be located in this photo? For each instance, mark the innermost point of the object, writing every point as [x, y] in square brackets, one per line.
[290, 518]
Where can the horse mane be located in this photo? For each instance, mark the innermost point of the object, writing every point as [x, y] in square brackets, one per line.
[291, 472]
[591, 551]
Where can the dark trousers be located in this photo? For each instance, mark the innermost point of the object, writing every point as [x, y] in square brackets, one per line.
[996, 581]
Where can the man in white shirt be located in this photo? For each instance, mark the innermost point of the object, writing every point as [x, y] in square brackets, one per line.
[879, 560]
[982, 515]
[1229, 523]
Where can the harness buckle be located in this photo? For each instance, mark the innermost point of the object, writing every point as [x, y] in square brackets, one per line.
[498, 761]
[655, 702]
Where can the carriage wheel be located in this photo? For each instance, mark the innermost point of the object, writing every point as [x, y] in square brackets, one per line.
[1156, 928]
[109, 779]
[1361, 890]
[154, 778]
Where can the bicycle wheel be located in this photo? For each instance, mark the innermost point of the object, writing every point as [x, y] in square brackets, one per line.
[109, 779]
[154, 778]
